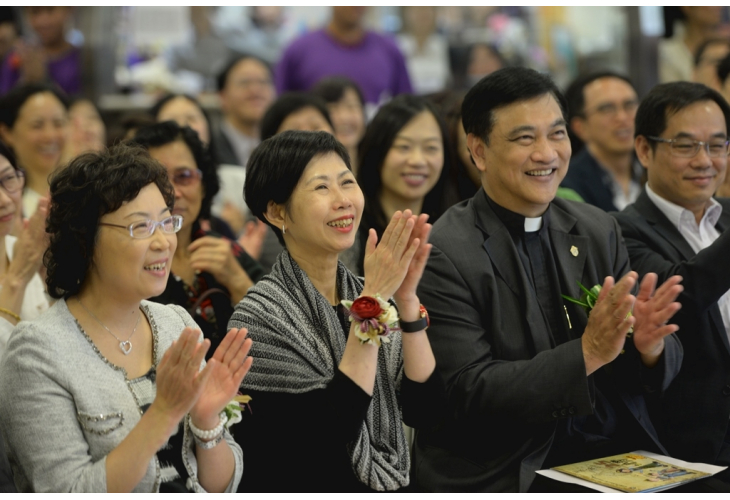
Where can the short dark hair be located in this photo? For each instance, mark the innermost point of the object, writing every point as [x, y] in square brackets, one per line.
[666, 99]
[92, 185]
[704, 45]
[377, 141]
[575, 95]
[162, 101]
[723, 69]
[333, 88]
[161, 134]
[13, 101]
[275, 166]
[501, 88]
[287, 104]
[222, 77]
[9, 155]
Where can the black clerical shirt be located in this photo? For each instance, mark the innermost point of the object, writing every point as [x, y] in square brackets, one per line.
[577, 438]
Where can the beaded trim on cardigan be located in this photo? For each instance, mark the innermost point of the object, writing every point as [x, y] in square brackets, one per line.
[153, 327]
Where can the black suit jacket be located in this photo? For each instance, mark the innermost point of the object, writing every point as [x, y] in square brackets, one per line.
[507, 384]
[593, 183]
[692, 416]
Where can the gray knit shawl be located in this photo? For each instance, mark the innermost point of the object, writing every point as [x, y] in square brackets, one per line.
[297, 346]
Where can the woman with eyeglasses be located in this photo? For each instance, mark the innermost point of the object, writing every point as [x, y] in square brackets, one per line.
[210, 274]
[22, 295]
[106, 391]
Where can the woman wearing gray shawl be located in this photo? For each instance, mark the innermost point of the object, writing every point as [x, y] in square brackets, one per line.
[328, 393]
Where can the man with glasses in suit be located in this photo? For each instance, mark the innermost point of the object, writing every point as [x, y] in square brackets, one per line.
[677, 227]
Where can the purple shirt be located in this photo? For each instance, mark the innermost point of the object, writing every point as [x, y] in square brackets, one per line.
[65, 71]
[375, 64]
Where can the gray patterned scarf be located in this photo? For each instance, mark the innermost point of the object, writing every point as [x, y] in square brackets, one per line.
[298, 344]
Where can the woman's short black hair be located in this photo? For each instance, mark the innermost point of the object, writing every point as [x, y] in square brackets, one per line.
[161, 134]
[374, 147]
[13, 101]
[287, 104]
[333, 88]
[275, 166]
[89, 187]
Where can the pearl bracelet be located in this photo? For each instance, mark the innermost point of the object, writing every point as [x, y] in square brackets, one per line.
[212, 433]
[207, 445]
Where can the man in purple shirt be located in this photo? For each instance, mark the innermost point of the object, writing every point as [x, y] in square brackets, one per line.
[52, 58]
[345, 48]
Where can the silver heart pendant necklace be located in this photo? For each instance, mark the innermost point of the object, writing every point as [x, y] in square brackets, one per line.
[124, 345]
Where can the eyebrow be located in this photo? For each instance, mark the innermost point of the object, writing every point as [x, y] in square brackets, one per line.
[409, 139]
[146, 214]
[532, 128]
[7, 169]
[325, 177]
[716, 135]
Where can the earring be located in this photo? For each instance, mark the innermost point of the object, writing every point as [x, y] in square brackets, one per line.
[283, 229]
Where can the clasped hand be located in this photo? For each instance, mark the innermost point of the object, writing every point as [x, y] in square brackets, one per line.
[183, 388]
[610, 321]
[394, 267]
[31, 244]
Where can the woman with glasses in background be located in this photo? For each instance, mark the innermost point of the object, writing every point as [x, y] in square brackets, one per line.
[107, 392]
[210, 274]
[22, 295]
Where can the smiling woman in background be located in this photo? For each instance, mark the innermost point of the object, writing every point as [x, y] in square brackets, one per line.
[34, 123]
[403, 166]
[22, 294]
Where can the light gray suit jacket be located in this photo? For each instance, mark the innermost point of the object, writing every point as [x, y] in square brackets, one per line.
[507, 383]
[64, 407]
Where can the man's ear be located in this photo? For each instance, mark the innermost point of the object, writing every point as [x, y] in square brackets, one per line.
[478, 151]
[275, 214]
[578, 126]
[643, 151]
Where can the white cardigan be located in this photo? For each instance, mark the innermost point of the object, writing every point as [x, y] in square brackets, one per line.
[35, 300]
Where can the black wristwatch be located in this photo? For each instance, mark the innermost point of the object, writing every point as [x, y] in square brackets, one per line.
[421, 323]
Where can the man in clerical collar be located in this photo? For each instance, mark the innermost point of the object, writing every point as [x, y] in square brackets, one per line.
[532, 381]
[677, 227]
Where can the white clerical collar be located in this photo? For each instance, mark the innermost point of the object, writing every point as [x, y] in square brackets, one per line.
[533, 224]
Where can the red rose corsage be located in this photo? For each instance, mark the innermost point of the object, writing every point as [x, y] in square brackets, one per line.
[376, 317]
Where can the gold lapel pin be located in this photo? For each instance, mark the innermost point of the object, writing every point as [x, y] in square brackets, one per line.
[574, 251]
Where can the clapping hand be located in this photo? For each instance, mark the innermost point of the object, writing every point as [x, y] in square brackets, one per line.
[653, 310]
[609, 322]
[31, 244]
[405, 296]
[253, 237]
[229, 365]
[179, 379]
[387, 263]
